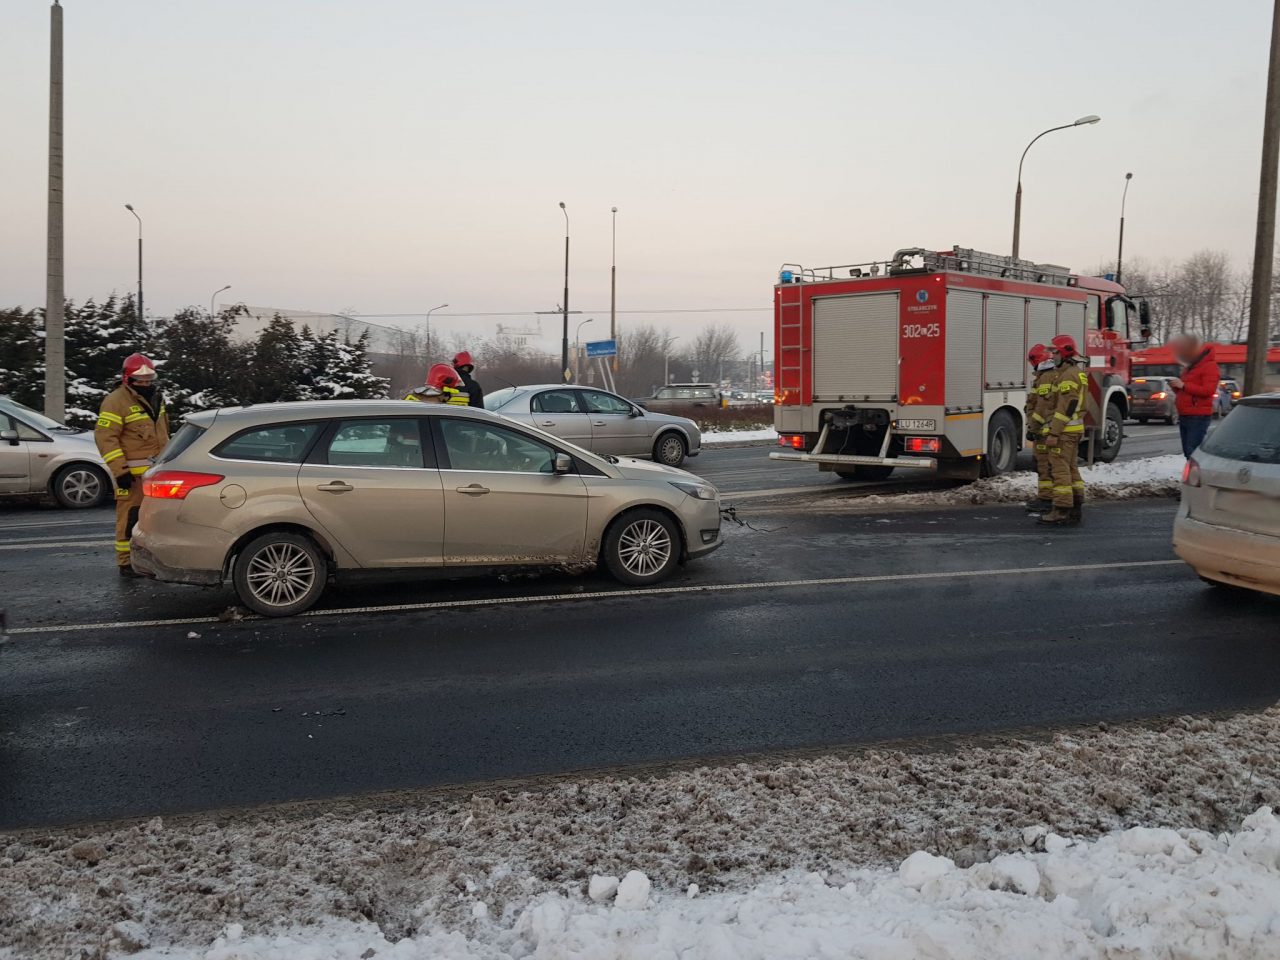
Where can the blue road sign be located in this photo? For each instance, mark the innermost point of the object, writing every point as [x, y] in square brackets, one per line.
[602, 348]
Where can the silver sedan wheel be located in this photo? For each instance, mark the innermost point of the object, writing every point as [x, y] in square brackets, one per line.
[81, 487]
[671, 450]
[644, 547]
[280, 574]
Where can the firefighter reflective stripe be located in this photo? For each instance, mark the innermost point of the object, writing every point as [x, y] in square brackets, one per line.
[135, 417]
[1037, 418]
[1059, 415]
[457, 398]
[138, 471]
[122, 546]
[107, 420]
[115, 454]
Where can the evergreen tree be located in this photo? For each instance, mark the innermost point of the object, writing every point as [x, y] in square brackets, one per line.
[202, 368]
[22, 356]
[99, 337]
[278, 364]
[340, 370]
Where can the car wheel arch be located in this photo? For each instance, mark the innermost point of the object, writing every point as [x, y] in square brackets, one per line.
[253, 533]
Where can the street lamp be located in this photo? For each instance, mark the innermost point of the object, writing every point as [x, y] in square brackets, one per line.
[577, 348]
[429, 313]
[564, 306]
[613, 281]
[1120, 252]
[214, 296]
[666, 359]
[1017, 202]
[129, 207]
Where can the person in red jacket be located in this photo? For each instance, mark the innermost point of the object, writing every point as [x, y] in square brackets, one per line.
[1195, 389]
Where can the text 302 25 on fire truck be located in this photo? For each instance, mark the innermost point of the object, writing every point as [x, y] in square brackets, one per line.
[920, 361]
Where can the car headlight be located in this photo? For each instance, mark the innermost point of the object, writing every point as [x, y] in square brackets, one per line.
[699, 491]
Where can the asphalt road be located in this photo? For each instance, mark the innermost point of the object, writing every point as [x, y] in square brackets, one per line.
[819, 630]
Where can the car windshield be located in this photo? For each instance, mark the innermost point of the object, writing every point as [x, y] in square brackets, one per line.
[500, 398]
[32, 417]
[1251, 433]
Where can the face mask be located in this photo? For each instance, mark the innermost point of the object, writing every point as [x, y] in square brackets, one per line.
[1044, 365]
[148, 391]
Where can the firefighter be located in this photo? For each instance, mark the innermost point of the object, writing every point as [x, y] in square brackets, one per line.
[1065, 429]
[465, 367]
[441, 387]
[1036, 419]
[132, 430]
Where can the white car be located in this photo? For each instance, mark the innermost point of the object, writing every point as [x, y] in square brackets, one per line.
[41, 457]
[1228, 526]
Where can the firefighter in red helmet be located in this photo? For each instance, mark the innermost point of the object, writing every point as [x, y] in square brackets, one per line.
[465, 367]
[132, 429]
[1037, 411]
[441, 387]
[1069, 396]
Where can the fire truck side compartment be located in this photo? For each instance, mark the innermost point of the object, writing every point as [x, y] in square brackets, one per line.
[1042, 321]
[855, 348]
[964, 350]
[1005, 359]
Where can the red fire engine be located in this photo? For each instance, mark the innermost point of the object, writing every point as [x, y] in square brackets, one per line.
[920, 361]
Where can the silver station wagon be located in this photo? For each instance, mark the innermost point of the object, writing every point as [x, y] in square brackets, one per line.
[276, 499]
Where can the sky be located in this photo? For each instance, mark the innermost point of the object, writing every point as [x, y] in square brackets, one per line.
[385, 156]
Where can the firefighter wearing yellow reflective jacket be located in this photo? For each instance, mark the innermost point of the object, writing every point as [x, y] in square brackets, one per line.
[1065, 430]
[132, 430]
[1038, 409]
[441, 387]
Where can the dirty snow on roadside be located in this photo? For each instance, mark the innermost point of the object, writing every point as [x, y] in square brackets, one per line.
[738, 436]
[1141, 892]
[509, 872]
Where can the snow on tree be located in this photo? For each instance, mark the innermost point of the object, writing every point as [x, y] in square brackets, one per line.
[22, 356]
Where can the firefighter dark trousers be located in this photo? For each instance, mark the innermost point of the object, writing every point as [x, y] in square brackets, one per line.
[1044, 473]
[1064, 470]
[127, 504]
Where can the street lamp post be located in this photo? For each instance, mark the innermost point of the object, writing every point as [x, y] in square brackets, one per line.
[1017, 200]
[1120, 251]
[213, 296]
[613, 282]
[429, 313]
[577, 349]
[564, 306]
[129, 207]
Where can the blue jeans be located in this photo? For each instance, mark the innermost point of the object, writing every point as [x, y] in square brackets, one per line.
[1192, 431]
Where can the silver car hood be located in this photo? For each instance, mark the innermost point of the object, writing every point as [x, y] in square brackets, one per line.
[633, 469]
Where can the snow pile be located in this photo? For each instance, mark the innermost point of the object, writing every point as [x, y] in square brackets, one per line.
[1137, 893]
[739, 436]
[464, 868]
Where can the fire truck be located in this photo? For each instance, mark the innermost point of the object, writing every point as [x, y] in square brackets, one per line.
[919, 362]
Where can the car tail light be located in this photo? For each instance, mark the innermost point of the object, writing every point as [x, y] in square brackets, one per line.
[1191, 474]
[1159, 395]
[1235, 394]
[176, 484]
[922, 445]
[1140, 380]
[793, 440]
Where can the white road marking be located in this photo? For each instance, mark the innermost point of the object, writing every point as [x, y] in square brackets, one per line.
[104, 522]
[614, 594]
[44, 544]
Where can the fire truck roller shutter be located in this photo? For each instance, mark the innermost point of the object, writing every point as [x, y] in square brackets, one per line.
[1071, 322]
[855, 347]
[1042, 321]
[1006, 354]
[964, 349]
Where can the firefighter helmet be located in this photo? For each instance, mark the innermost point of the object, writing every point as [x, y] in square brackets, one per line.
[138, 365]
[1065, 345]
[1038, 354]
[441, 376]
[464, 360]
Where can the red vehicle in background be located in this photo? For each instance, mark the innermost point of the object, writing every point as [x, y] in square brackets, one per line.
[920, 361]
[1160, 362]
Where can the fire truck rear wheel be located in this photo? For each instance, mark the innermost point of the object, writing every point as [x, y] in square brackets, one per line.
[1112, 435]
[1002, 445]
[865, 473]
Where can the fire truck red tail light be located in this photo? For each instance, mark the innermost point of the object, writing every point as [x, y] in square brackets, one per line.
[176, 484]
[793, 440]
[1191, 474]
[923, 445]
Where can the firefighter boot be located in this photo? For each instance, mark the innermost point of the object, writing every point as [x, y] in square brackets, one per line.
[1058, 516]
[1077, 511]
[1038, 506]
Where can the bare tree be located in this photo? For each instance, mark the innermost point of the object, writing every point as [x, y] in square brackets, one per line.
[640, 360]
[714, 346]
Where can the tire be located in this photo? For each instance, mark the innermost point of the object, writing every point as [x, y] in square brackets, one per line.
[625, 556]
[1112, 435]
[1144, 420]
[670, 449]
[1172, 420]
[261, 561]
[1002, 445]
[867, 472]
[79, 486]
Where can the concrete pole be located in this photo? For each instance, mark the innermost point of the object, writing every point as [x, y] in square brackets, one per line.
[565, 374]
[55, 356]
[613, 288]
[1264, 245]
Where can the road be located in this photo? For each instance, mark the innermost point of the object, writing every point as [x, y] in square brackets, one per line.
[818, 630]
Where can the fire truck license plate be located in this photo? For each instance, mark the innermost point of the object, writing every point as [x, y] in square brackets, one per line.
[917, 424]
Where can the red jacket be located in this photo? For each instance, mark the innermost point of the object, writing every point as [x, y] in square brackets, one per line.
[1199, 386]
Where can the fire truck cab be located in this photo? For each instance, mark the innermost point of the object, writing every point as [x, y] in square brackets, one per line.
[920, 361]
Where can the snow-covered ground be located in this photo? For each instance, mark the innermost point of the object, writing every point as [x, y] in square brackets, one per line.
[710, 437]
[792, 857]
[1141, 893]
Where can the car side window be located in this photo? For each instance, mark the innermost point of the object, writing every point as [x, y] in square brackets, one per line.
[377, 443]
[557, 401]
[278, 443]
[476, 445]
[25, 432]
[598, 402]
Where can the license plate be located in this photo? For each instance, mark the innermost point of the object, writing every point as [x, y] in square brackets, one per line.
[917, 424]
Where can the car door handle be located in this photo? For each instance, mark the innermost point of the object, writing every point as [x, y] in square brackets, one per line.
[335, 486]
[473, 490]
[598, 423]
[548, 423]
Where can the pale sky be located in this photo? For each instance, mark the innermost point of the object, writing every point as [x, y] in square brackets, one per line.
[388, 155]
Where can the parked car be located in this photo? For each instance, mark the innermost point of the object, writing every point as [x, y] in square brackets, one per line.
[41, 457]
[1151, 398]
[278, 498]
[1228, 396]
[600, 421]
[682, 396]
[1228, 526]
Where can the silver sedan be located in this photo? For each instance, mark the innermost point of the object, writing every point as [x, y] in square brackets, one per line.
[41, 457]
[602, 422]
